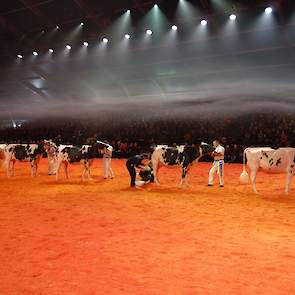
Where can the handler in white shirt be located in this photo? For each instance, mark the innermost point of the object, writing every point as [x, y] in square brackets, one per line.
[107, 162]
[218, 164]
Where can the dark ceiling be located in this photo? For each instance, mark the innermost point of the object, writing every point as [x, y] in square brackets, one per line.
[22, 20]
[257, 60]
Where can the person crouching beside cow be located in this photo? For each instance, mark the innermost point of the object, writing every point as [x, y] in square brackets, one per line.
[146, 174]
[133, 163]
[218, 164]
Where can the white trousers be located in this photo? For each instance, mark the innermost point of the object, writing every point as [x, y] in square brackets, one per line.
[51, 165]
[107, 168]
[217, 167]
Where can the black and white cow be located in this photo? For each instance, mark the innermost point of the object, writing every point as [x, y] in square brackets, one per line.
[180, 156]
[2, 154]
[31, 153]
[69, 154]
[281, 160]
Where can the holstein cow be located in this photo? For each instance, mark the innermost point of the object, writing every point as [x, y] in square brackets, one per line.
[25, 153]
[180, 156]
[2, 155]
[281, 160]
[69, 154]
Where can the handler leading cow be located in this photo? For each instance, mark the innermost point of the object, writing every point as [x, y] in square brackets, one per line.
[281, 160]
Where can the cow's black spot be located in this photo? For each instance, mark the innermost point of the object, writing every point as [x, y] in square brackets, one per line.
[20, 152]
[279, 161]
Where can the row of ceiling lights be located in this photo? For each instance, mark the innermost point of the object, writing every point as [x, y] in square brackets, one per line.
[204, 22]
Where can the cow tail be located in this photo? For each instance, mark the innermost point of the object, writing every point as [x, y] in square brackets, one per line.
[244, 160]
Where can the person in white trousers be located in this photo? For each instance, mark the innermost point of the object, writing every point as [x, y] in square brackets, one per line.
[51, 150]
[218, 164]
[107, 162]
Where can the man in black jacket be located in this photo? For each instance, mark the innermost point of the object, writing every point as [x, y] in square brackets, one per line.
[135, 162]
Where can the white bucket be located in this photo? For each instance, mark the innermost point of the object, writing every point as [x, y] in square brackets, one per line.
[244, 177]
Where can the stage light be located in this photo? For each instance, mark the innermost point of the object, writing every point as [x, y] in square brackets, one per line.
[232, 17]
[155, 6]
[128, 11]
[105, 40]
[204, 22]
[50, 50]
[19, 56]
[68, 47]
[85, 44]
[127, 36]
[57, 27]
[174, 28]
[35, 53]
[81, 24]
[268, 10]
[149, 32]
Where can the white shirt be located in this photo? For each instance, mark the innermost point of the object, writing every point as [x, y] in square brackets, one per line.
[107, 152]
[220, 150]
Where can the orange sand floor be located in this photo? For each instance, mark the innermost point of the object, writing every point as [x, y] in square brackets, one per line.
[100, 237]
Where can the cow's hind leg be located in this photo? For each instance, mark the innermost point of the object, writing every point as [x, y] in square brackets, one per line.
[66, 165]
[57, 168]
[253, 179]
[8, 168]
[184, 177]
[155, 170]
[288, 181]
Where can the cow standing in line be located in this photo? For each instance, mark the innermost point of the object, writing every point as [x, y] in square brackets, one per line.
[69, 154]
[25, 153]
[281, 160]
[2, 154]
[180, 156]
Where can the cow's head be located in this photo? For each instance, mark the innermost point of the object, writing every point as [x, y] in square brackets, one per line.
[48, 144]
[206, 149]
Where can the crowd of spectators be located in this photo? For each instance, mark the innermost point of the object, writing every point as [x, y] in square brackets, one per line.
[134, 135]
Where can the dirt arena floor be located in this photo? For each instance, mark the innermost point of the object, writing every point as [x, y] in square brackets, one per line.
[101, 237]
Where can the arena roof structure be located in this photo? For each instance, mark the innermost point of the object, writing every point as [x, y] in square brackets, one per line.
[53, 52]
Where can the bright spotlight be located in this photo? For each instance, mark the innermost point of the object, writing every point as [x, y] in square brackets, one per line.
[155, 6]
[50, 50]
[35, 53]
[85, 44]
[149, 32]
[105, 40]
[68, 47]
[128, 11]
[268, 10]
[81, 24]
[127, 36]
[57, 27]
[204, 22]
[174, 28]
[19, 56]
[232, 17]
